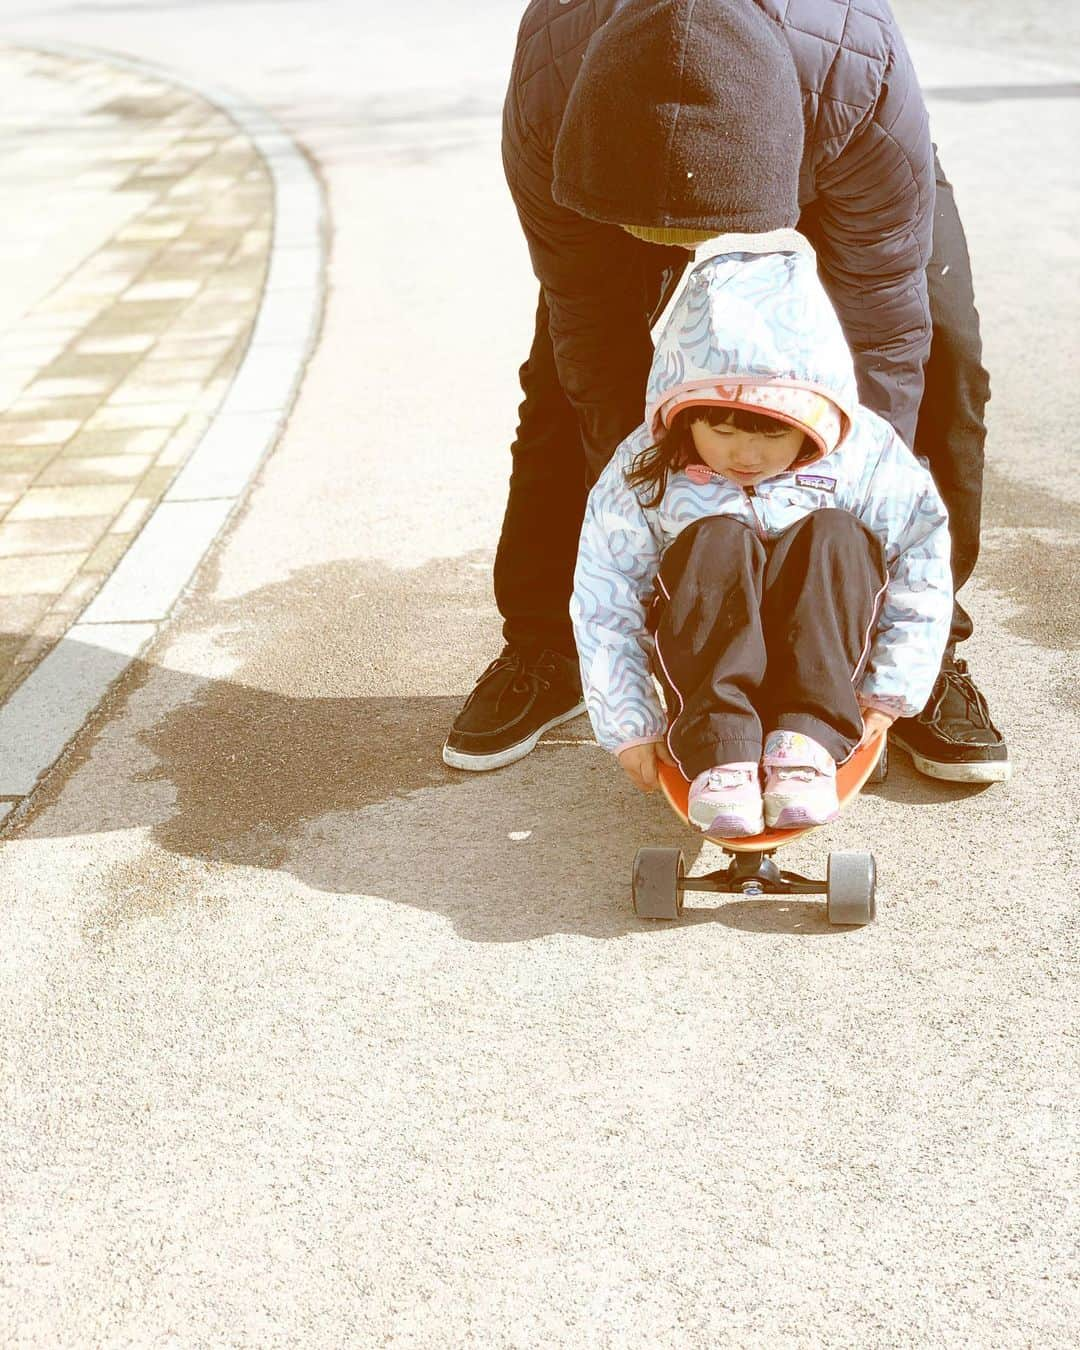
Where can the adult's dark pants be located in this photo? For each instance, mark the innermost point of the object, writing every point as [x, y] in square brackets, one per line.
[534, 565]
[754, 636]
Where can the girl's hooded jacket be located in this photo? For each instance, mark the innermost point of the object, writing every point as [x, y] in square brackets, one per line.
[758, 332]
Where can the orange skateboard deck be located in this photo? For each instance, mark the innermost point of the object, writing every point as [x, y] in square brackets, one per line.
[850, 779]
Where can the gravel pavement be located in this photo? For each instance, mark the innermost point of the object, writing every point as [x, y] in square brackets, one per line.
[310, 1041]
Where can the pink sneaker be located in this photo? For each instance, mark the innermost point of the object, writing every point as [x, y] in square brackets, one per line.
[800, 782]
[727, 801]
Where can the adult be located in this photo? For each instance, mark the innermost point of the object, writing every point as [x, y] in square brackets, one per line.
[634, 130]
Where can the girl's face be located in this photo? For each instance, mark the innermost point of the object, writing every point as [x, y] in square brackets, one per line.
[746, 457]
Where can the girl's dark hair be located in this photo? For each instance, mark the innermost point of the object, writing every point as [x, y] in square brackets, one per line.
[648, 473]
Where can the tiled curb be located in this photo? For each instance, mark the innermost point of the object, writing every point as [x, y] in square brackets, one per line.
[50, 706]
[135, 243]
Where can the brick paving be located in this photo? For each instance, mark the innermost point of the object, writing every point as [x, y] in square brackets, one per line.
[133, 250]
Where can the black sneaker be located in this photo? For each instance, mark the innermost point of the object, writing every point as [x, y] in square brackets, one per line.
[953, 737]
[519, 697]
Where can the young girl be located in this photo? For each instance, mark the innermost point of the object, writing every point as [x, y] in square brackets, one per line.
[767, 548]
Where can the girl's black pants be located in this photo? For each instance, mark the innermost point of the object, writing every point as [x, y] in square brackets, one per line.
[754, 636]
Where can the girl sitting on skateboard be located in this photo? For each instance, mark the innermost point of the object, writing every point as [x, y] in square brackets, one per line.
[767, 548]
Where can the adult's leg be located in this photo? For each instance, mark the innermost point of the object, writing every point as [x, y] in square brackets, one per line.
[534, 564]
[550, 476]
[535, 683]
[951, 432]
[954, 737]
[822, 587]
[710, 648]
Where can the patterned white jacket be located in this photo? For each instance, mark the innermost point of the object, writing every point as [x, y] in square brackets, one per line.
[758, 330]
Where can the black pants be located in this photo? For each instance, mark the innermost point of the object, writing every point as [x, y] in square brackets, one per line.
[951, 432]
[753, 637]
[534, 566]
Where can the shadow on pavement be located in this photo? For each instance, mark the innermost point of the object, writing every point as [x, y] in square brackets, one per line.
[292, 763]
[994, 93]
[295, 761]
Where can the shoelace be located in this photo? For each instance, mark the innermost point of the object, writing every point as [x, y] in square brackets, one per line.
[955, 676]
[526, 674]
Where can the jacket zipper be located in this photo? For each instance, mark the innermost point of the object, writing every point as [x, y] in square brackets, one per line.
[751, 497]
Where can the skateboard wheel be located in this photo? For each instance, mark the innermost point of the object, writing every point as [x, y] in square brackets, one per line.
[851, 880]
[657, 883]
[880, 771]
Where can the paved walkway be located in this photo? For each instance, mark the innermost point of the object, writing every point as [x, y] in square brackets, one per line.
[306, 1045]
[134, 245]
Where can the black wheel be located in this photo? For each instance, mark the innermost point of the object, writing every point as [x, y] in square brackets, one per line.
[657, 883]
[880, 771]
[851, 881]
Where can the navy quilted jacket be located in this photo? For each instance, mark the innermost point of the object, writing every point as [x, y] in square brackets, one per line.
[866, 194]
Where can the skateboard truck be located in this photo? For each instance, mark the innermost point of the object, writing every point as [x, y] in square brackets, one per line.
[660, 882]
[754, 874]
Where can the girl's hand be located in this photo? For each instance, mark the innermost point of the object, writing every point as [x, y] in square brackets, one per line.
[639, 762]
[874, 721]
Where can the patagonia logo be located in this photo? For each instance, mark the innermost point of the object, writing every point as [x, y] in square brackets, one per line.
[816, 480]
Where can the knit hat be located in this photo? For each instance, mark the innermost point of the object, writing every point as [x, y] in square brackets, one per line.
[687, 115]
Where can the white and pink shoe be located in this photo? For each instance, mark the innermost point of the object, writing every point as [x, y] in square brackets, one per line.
[800, 782]
[727, 801]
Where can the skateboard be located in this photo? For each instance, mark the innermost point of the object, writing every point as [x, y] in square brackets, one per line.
[659, 880]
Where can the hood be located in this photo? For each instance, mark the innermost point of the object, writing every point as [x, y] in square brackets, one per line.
[756, 331]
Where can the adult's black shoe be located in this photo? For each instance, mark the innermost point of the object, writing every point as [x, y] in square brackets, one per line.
[953, 737]
[519, 697]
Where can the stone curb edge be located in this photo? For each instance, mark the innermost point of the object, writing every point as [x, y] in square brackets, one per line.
[50, 707]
